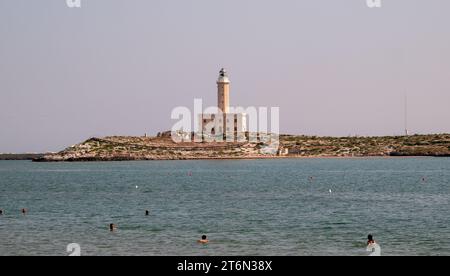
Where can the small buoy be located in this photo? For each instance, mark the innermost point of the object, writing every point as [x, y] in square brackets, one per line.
[137, 187]
[330, 191]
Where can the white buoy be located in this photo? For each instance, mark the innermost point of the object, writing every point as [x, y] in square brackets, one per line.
[330, 191]
[137, 186]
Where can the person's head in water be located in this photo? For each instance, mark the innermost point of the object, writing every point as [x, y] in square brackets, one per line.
[24, 211]
[204, 239]
[112, 227]
[147, 212]
[1, 212]
[370, 239]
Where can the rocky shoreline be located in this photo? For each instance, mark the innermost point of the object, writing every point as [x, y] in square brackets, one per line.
[21, 156]
[125, 148]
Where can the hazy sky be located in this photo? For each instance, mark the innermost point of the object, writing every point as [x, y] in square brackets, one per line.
[119, 67]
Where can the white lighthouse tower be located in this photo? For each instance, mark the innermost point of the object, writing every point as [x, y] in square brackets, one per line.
[223, 92]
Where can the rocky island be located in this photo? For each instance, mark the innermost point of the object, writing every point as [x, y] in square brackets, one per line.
[162, 147]
[122, 148]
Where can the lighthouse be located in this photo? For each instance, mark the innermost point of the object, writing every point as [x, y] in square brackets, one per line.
[223, 92]
[225, 122]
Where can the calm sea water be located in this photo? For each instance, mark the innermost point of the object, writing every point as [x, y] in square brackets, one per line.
[257, 207]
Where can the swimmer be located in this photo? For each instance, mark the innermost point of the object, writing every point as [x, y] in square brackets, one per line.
[1, 212]
[24, 211]
[204, 240]
[147, 212]
[373, 247]
[370, 240]
[112, 227]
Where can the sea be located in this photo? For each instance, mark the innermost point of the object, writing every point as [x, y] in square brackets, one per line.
[274, 207]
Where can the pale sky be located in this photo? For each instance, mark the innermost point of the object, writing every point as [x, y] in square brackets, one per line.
[119, 67]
